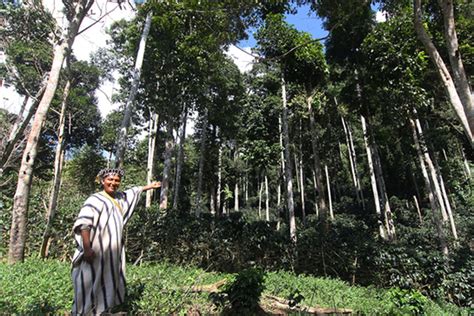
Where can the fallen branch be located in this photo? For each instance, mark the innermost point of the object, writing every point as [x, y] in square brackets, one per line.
[269, 303]
[209, 288]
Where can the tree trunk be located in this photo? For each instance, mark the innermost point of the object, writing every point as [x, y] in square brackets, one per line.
[432, 171]
[387, 211]
[165, 182]
[278, 194]
[465, 112]
[328, 184]
[21, 197]
[260, 189]
[122, 135]
[212, 201]
[417, 206]
[297, 172]
[288, 171]
[236, 196]
[467, 168]
[446, 202]
[58, 168]
[246, 187]
[282, 159]
[198, 206]
[352, 162]
[373, 180]
[236, 185]
[152, 130]
[219, 178]
[459, 74]
[316, 207]
[19, 127]
[267, 200]
[14, 132]
[317, 161]
[180, 159]
[302, 193]
[435, 203]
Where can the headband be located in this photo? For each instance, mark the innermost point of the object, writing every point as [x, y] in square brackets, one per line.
[110, 171]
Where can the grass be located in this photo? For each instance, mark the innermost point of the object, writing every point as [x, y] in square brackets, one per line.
[42, 287]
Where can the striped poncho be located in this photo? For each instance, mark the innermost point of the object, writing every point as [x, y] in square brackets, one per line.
[101, 285]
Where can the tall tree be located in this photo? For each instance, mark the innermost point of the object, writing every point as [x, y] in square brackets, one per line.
[275, 39]
[75, 11]
[457, 86]
[122, 135]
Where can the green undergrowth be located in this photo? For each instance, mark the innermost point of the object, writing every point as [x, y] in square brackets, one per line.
[44, 287]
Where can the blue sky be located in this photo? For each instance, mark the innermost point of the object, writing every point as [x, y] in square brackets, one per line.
[304, 20]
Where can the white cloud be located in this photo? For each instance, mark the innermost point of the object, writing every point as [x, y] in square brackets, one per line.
[96, 37]
[380, 16]
[10, 100]
[242, 59]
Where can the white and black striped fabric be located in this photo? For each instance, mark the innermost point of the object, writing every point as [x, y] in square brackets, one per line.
[101, 285]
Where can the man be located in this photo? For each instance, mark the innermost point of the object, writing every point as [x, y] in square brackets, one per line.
[98, 272]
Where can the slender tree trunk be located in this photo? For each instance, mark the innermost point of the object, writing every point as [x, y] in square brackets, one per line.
[219, 178]
[282, 159]
[373, 180]
[267, 200]
[236, 185]
[18, 129]
[317, 161]
[328, 185]
[465, 112]
[201, 165]
[212, 201]
[288, 171]
[236, 196]
[302, 193]
[389, 225]
[152, 130]
[260, 189]
[423, 156]
[165, 182]
[446, 202]
[278, 195]
[18, 120]
[122, 135]
[316, 207]
[297, 173]
[352, 162]
[467, 169]
[58, 167]
[432, 171]
[459, 74]
[246, 187]
[180, 159]
[417, 206]
[20, 200]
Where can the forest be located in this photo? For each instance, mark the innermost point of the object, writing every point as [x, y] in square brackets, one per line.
[333, 177]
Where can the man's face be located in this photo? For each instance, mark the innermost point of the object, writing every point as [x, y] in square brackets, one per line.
[111, 184]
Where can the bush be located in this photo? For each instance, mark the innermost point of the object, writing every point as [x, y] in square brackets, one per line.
[244, 293]
[405, 302]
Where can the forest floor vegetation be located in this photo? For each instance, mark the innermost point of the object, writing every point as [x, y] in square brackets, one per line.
[44, 287]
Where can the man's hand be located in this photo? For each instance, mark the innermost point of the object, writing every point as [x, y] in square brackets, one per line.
[153, 185]
[89, 255]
